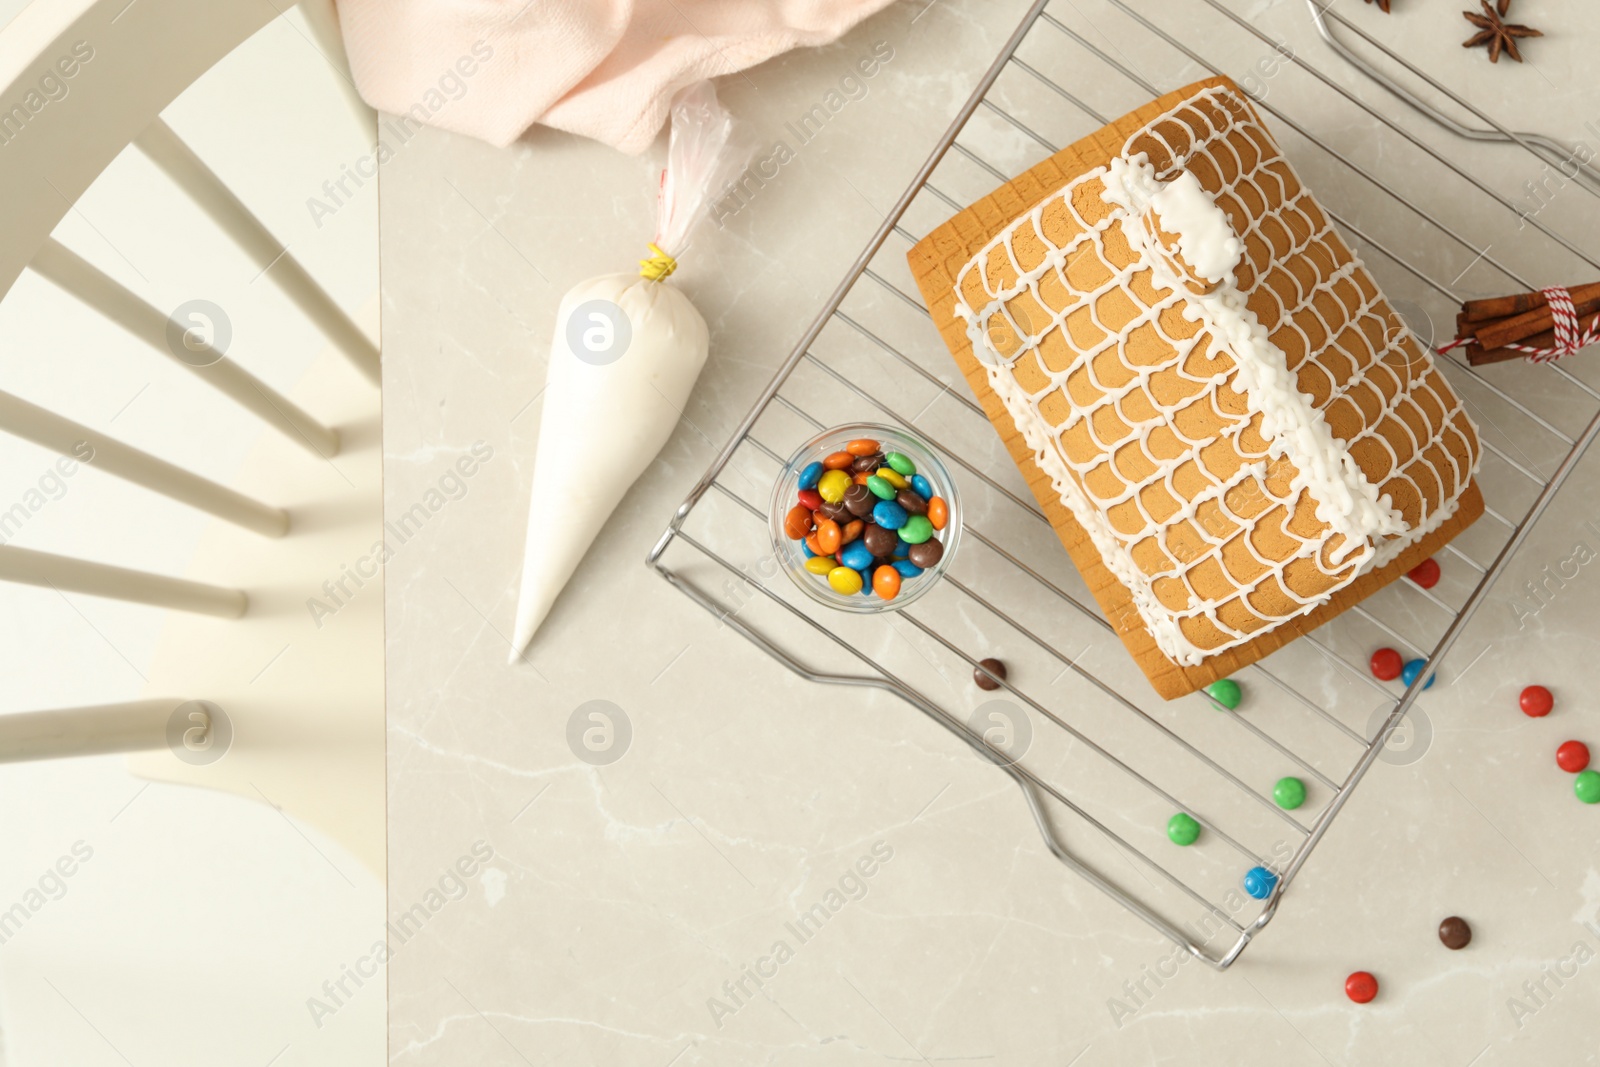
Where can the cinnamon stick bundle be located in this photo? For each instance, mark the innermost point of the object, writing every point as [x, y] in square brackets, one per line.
[1522, 318]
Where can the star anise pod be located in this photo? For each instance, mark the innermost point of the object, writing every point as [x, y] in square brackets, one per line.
[1497, 34]
[1383, 5]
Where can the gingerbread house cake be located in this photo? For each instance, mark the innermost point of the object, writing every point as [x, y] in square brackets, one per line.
[1234, 435]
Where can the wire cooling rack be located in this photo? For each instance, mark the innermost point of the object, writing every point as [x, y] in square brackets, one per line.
[1100, 759]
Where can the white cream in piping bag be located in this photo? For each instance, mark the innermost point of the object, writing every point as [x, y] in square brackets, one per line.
[1374, 532]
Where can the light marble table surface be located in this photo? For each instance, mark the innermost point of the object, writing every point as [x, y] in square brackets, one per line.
[548, 910]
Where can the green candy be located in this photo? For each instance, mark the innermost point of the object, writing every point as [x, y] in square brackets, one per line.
[900, 463]
[1587, 786]
[918, 528]
[880, 488]
[1290, 793]
[1182, 829]
[1225, 692]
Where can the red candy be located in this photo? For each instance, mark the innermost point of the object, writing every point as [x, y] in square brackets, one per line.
[1425, 574]
[1536, 701]
[810, 499]
[1572, 756]
[1361, 987]
[1387, 664]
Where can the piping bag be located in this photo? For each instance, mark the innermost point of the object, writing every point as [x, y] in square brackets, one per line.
[626, 352]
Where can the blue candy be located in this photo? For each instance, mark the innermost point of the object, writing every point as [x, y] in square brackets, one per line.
[810, 476]
[919, 485]
[902, 549]
[806, 549]
[866, 582]
[1409, 672]
[1258, 882]
[857, 557]
[906, 568]
[889, 515]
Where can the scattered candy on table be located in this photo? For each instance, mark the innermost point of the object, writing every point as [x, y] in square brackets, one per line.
[1225, 692]
[1409, 672]
[1586, 785]
[1572, 756]
[1258, 882]
[1182, 829]
[1536, 701]
[866, 520]
[1289, 793]
[1361, 987]
[1425, 574]
[1387, 664]
[992, 667]
[1455, 933]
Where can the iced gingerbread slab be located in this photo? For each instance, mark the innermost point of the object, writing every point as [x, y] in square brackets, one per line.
[1233, 434]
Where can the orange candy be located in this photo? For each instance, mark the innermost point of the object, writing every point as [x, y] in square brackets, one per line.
[861, 447]
[862, 476]
[938, 512]
[838, 461]
[811, 543]
[828, 537]
[886, 582]
[797, 523]
[852, 530]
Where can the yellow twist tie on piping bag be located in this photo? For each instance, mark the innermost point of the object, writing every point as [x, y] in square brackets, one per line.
[658, 266]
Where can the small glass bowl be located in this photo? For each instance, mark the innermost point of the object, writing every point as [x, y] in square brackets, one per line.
[791, 554]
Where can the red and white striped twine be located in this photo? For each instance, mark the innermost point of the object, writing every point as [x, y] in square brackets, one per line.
[1570, 336]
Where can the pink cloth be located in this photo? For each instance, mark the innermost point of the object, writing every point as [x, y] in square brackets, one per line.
[605, 69]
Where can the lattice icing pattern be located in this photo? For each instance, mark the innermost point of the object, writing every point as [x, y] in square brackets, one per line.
[1242, 429]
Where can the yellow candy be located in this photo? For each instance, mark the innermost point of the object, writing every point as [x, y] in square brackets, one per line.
[821, 564]
[831, 486]
[845, 580]
[893, 477]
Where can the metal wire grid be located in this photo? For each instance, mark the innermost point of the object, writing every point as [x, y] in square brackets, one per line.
[1106, 761]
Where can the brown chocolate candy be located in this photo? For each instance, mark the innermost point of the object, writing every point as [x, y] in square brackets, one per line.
[859, 499]
[868, 463]
[1455, 933]
[879, 542]
[926, 554]
[912, 502]
[837, 512]
[993, 666]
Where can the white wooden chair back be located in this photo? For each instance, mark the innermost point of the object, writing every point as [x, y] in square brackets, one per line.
[80, 82]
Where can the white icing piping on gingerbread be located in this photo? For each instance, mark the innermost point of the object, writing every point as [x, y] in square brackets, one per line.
[1211, 257]
[1346, 501]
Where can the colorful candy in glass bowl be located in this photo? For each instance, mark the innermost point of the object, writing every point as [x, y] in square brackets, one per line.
[865, 518]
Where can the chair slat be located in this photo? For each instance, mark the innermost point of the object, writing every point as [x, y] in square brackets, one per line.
[63, 573]
[88, 731]
[177, 160]
[78, 442]
[76, 275]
